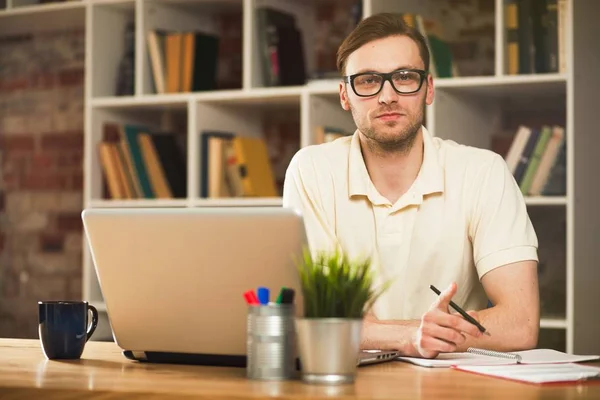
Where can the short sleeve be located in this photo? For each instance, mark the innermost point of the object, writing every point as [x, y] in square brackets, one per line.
[500, 228]
[309, 193]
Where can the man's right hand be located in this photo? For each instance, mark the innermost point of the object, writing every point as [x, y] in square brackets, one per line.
[441, 331]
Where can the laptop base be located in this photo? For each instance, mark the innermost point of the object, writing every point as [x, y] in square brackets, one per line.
[213, 360]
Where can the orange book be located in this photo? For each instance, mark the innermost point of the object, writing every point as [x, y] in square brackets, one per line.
[111, 173]
[111, 134]
[173, 51]
[187, 61]
[122, 171]
[156, 172]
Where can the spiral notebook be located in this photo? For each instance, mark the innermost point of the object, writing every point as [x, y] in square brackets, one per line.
[537, 373]
[474, 356]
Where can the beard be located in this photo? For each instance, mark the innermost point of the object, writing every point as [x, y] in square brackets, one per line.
[394, 136]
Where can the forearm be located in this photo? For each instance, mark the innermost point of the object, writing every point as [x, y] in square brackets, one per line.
[389, 335]
[509, 329]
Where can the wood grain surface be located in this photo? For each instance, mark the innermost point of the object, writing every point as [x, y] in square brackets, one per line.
[104, 373]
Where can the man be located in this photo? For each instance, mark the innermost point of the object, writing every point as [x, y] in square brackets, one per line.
[427, 211]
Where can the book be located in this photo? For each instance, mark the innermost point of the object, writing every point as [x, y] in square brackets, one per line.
[511, 24]
[212, 166]
[269, 23]
[537, 374]
[548, 160]
[534, 160]
[516, 149]
[112, 134]
[110, 170]
[556, 183]
[205, 63]
[173, 51]
[474, 356]
[173, 160]
[156, 172]
[156, 51]
[130, 134]
[526, 154]
[255, 167]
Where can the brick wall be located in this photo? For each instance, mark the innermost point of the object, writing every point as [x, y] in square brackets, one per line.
[41, 175]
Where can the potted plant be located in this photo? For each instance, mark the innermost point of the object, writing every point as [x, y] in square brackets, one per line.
[336, 293]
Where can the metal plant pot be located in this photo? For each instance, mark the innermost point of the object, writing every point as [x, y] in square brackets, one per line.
[328, 349]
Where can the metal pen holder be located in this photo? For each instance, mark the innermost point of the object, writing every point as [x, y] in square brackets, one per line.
[271, 342]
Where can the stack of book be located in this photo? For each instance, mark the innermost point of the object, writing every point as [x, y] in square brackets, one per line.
[235, 166]
[535, 36]
[138, 162]
[183, 61]
[537, 159]
[281, 48]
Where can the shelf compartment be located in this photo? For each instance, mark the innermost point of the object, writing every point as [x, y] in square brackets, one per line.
[321, 27]
[107, 124]
[489, 116]
[550, 225]
[468, 29]
[328, 118]
[211, 27]
[274, 119]
[112, 26]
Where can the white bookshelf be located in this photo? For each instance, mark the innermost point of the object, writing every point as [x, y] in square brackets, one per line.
[467, 109]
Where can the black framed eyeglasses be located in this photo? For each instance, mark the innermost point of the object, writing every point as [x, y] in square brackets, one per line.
[404, 81]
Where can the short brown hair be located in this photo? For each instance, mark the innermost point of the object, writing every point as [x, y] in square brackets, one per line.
[375, 27]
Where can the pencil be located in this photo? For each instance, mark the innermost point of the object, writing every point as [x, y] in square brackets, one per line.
[463, 313]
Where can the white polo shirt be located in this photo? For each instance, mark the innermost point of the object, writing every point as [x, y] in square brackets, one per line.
[463, 216]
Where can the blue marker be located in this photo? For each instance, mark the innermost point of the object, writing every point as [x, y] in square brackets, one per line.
[263, 295]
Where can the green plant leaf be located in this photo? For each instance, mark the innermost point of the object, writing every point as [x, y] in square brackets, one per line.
[333, 286]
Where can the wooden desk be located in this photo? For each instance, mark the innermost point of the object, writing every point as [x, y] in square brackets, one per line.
[103, 373]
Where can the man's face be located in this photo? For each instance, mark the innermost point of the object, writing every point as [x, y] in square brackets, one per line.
[389, 119]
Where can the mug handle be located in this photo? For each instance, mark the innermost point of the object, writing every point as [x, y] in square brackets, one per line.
[94, 323]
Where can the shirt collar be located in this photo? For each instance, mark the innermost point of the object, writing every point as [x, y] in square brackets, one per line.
[429, 180]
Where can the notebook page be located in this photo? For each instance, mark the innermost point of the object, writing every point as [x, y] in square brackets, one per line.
[449, 359]
[549, 356]
[532, 373]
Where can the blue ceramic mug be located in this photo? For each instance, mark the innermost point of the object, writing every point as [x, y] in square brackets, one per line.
[65, 327]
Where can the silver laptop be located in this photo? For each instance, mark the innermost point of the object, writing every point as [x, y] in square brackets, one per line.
[173, 278]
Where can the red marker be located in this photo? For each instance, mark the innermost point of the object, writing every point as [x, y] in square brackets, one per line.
[250, 297]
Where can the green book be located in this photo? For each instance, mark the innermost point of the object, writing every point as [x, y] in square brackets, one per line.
[534, 160]
[441, 56]
[131, 134]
